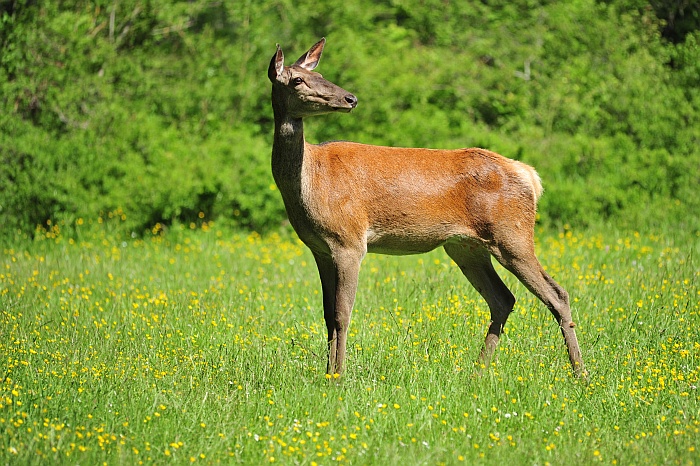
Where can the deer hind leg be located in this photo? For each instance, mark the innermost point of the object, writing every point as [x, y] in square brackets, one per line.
[475, 263]
[523, 263]
[339, 275]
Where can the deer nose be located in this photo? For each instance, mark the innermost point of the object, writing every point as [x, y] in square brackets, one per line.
[351, 99]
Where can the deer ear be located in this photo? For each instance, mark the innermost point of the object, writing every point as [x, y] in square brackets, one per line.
[310, 59]
[276, 65]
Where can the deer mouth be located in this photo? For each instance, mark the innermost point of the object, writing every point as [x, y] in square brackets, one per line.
[350, 103]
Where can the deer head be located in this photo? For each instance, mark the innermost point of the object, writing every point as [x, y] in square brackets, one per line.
[298, 91]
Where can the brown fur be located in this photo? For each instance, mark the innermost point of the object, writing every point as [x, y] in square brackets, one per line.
[346, 199]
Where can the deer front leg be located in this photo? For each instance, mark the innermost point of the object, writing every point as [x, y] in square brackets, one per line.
[328, 274]
[339, 275]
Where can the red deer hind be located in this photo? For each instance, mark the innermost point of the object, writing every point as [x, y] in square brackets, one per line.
[346, 199]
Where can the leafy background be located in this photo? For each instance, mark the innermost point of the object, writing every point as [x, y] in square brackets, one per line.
[158, 112]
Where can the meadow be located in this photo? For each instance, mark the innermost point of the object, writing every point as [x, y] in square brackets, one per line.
[202, 345]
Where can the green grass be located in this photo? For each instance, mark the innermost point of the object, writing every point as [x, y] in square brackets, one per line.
[208, 347]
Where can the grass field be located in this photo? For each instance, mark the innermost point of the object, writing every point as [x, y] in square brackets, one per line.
[200, 346]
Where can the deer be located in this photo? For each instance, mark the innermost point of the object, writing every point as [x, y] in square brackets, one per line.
[346, 199]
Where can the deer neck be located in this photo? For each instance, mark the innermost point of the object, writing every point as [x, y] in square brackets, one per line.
[288, 144]
[287, 150]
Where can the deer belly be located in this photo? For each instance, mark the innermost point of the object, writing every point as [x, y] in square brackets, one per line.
[408, 241]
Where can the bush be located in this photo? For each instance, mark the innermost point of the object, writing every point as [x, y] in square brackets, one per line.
[160, 110]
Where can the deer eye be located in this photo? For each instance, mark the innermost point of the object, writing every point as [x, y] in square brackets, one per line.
[296, 81]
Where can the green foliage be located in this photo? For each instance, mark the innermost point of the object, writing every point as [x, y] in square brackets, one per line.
[160, 109]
